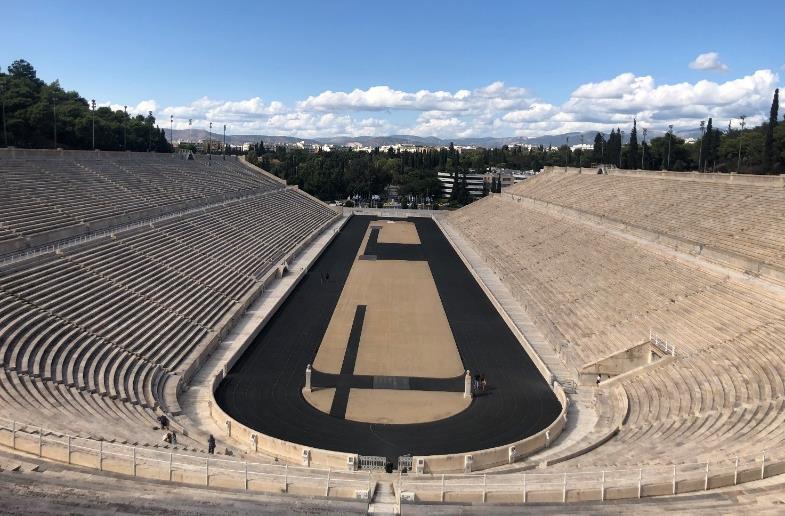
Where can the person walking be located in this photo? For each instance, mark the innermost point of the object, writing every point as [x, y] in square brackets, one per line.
[599, 379]
[211, 444]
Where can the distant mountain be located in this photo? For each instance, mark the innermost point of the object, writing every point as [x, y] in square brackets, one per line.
[553, 140]
[233, 139]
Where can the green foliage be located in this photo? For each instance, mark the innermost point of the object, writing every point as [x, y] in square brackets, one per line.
[33, 108]
[768, 151]
[598, 153]
[343, 173]
[633, 159]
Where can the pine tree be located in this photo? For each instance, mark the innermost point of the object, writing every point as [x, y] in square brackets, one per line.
[768, 150]
[633, 160]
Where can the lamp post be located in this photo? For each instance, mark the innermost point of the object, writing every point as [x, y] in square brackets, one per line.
[670, 137]
[5, 130]
[125, 128]
[92, 105]
[700, 152]
[209, 137]
[643, 149]
[224, 141]
[150, 131]
[567, 158]
[621, 145]
[190, 141]
[171, 130]
[54, 116]
[580, 157]
[738, 166]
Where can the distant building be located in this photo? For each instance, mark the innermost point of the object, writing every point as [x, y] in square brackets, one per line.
[508, 176]
[474, 183]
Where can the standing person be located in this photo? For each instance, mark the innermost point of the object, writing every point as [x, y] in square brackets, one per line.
[599, 379]
[173, 438]
[163, 421]
[476, 383]
[211, 444]
[483, 383]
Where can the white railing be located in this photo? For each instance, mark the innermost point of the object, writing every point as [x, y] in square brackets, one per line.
[175, 466]
[662, 344]
[209, 470]
[600, 485]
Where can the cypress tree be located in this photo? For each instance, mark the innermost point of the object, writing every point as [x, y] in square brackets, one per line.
[708, 146]
[633, 160]
[599, 149]
[610, 147]
[768, 150]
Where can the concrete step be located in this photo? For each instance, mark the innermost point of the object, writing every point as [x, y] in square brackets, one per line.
[384, 500]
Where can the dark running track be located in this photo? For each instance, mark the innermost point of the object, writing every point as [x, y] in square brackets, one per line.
[263, 389]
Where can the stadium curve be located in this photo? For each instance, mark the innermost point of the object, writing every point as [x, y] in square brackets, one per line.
[263, 389]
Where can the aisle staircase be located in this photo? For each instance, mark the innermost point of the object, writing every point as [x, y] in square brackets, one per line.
[384, 500]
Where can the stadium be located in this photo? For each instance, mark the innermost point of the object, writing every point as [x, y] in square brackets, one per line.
[406, 258]
[629, 343]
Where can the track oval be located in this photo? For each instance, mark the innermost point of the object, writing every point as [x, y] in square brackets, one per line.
[263, 389]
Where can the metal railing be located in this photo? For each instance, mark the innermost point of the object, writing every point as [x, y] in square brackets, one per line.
[600, 485]
[369, 462]
[209, 470]
[175, 466]
[660, 343]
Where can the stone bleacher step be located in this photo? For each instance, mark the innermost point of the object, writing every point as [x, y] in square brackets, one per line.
[15, 465]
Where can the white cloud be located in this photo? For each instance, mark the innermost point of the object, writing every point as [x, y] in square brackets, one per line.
[142, 108]
[384, 98]
[492, 110]
[709, 61]
[628, 96]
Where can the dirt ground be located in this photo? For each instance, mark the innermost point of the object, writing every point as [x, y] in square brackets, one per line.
[397, 232]
[405, 333]
[403, 407]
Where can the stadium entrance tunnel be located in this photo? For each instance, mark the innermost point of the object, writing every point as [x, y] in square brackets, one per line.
[627, 362]
[388, 341]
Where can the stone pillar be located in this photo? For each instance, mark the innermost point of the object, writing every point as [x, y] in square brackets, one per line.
[467, 385]
[308, 378]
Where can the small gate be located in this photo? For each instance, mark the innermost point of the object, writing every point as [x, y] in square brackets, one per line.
[405, 463]
[372, 462]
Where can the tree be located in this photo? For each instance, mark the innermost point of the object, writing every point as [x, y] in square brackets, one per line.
[463, 196]
[33, 108]
[598, 153]
[21, 68]
[768, 150]
[708, 146]
[633, 159]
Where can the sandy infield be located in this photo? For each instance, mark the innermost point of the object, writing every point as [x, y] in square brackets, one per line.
[405, 333]
[397, 232]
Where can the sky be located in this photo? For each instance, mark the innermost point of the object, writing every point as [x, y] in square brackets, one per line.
[449, 69]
